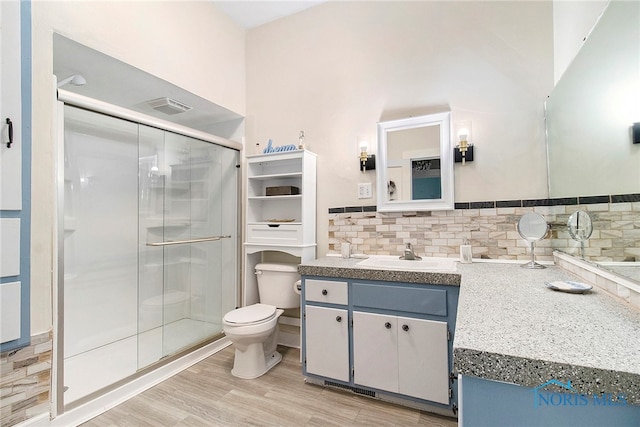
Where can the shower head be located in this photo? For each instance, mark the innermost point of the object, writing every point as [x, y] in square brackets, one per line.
[76, 80]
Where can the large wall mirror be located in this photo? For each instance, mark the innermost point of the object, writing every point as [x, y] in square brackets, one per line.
[415, 164]
[590, 111]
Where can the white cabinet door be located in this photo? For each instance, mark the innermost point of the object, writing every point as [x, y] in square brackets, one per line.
[327, 342]
[375, 351]
[10, 310]
[423, 359]
[10, 107]
[401, 355]
[9, 247]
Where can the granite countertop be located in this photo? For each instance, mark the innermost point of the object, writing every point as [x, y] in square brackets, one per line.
[512, 328]
[346, 268]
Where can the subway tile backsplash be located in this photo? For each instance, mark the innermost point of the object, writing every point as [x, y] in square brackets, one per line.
[491, 228]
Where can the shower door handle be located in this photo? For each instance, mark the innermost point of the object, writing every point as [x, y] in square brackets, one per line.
[184, 242]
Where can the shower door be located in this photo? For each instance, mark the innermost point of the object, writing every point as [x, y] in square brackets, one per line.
[149, 254]
[187, 230]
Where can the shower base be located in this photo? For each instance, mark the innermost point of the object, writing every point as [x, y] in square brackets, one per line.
[93, 370]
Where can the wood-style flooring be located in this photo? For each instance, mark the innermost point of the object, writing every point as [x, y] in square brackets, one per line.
[207, 394]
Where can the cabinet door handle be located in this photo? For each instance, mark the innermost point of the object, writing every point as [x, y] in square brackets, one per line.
[324, 292]
[10, 123]
[338, 318]
[405, 327]
[387, 325]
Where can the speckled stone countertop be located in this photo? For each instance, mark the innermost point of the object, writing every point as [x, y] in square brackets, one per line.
[512, 328]
[346, 268]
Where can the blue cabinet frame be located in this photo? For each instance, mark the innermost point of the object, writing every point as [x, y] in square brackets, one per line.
[420, 301]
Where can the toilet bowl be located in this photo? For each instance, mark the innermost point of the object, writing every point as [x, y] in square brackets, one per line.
[254, 334]
[253, 329]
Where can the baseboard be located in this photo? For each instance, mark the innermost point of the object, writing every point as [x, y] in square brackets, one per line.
[289, 340]
[289, 331]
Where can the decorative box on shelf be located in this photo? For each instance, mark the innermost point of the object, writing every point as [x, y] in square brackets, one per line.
[282, 190]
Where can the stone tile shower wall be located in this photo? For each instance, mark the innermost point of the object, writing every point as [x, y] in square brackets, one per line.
[492, 232]
[25, 381]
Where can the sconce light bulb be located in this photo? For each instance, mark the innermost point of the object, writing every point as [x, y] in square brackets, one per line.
[364, 146]
[463, 134]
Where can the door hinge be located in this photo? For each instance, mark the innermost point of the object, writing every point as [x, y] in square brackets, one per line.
[450, 393]
[353, 372]
[448, 334]
[452, 377]
[454, 408]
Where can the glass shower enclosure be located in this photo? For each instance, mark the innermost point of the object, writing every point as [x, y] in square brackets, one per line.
[150, 257]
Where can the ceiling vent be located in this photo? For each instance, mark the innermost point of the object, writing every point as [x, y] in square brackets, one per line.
[168, 106]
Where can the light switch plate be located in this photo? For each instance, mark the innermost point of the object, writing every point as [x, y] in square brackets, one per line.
[364, 190]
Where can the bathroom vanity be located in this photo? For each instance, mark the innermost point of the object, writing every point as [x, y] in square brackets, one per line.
[517, 352]
[381, 333]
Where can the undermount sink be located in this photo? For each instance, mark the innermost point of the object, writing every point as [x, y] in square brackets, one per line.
[387, 262]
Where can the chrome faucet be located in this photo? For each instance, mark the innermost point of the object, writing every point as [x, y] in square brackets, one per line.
[409, 255]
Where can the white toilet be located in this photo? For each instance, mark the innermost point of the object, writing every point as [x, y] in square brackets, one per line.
[253, 330]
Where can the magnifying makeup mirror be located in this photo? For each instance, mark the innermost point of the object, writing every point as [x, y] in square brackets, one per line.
[532, 227]
[580, 228]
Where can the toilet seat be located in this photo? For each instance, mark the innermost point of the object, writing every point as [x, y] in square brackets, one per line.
[250, 315]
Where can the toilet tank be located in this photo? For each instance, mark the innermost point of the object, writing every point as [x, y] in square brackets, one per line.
[276, 283]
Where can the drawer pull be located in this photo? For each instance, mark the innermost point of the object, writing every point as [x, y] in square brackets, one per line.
[274, 225]
[405, 327]
[338, 319]
[324, 292]
[387, 325]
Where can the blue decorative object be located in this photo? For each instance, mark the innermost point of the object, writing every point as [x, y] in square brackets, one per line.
[271, 149]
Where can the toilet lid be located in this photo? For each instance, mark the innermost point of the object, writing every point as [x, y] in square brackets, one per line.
[251, 314]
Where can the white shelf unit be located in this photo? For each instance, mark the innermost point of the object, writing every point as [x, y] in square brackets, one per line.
[282, 223]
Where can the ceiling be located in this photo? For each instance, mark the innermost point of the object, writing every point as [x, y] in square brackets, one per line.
[250, 14]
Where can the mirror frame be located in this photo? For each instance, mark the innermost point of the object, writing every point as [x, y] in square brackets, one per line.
[446, 202]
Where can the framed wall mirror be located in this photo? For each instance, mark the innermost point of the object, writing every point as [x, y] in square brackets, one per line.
[415, 164]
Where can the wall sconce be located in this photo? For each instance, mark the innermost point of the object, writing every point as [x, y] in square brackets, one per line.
[463, 152]
[367, 161]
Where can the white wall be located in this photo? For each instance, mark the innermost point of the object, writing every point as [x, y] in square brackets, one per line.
[188, 43]
[572, 23]
[336, 69]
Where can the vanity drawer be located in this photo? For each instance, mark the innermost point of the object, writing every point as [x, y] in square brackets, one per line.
[284, 234]
[328, 291]
[400, 298]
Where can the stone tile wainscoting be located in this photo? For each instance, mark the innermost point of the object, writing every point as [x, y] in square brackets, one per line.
[491, 228]
[614, 284]
[25, 381]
